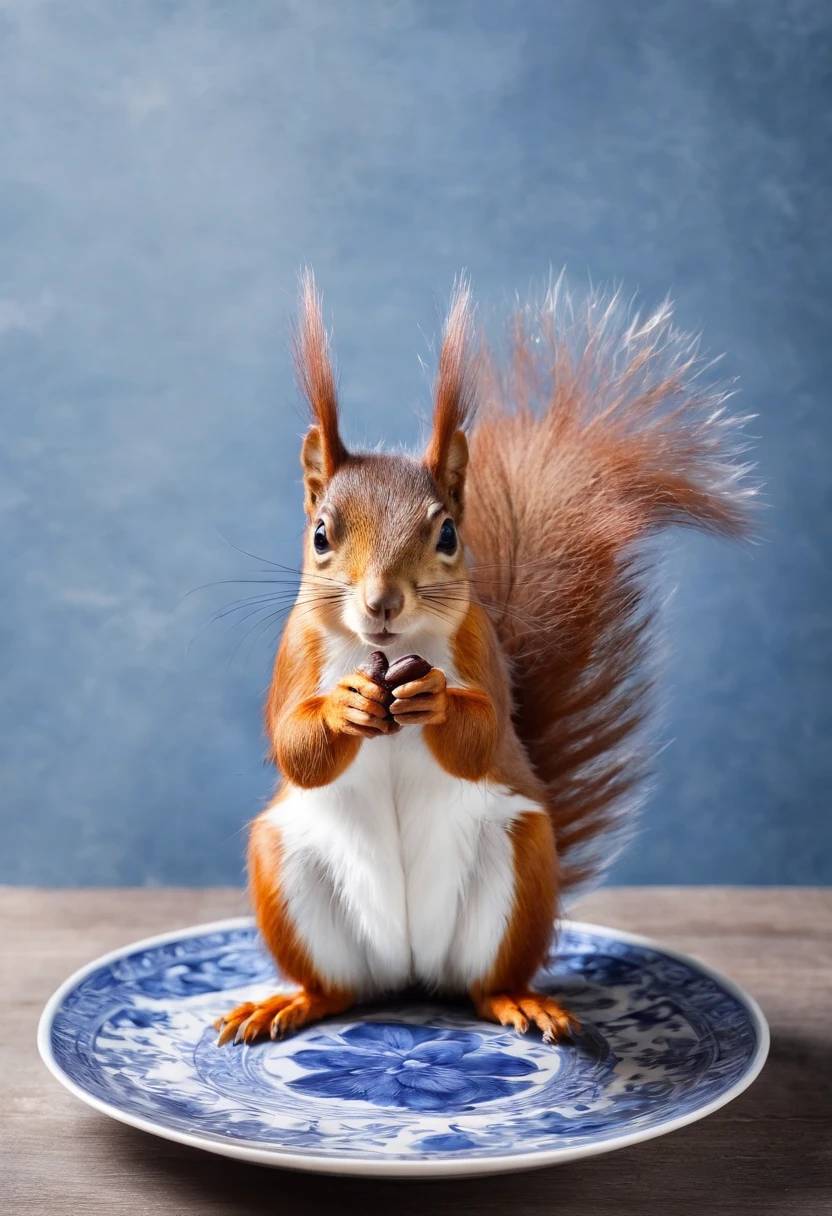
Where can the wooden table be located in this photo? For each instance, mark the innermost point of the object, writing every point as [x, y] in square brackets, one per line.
[770, 1151]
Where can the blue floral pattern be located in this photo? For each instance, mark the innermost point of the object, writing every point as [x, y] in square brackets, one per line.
[403, 1081]
[415, 1067]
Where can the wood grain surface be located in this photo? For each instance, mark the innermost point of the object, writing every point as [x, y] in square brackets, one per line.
[770, 1151]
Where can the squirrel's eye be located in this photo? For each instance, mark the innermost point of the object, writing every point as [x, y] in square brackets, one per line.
[447, 538]
[319, 540]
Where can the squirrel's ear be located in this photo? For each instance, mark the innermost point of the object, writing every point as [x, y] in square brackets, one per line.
[454, 397]
[452, 478]
[323, 449]
[315, 477]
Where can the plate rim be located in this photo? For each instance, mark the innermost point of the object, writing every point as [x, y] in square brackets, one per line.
[455, 1166]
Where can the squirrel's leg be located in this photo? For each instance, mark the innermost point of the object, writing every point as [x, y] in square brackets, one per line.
[315, 998]
[504, 994]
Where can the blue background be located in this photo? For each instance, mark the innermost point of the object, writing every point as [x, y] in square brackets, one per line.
[164, 170]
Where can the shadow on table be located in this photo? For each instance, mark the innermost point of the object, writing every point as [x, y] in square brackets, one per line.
[769, 1151]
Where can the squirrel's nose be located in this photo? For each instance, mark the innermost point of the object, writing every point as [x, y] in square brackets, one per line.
[382, 602]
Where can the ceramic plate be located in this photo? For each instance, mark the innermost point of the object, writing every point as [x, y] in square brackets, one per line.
[401, 1088]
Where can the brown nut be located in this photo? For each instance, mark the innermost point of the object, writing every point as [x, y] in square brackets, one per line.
[410, 667]
[375, 668]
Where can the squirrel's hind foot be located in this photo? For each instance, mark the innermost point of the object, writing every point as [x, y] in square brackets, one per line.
[277, 1015]
[522, 1009]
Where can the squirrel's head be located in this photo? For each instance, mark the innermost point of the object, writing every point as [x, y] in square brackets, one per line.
[383, 556]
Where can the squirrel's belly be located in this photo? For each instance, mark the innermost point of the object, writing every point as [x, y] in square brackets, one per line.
[397, 872]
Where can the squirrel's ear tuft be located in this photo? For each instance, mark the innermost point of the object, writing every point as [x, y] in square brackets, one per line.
[454, 396]
[323, 449]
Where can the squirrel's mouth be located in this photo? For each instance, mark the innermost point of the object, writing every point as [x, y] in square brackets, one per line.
[384, 636]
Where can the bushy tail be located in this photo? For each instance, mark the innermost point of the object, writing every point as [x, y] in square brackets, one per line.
[597, 431]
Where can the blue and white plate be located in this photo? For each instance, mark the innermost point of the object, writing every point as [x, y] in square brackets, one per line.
[400, 1088]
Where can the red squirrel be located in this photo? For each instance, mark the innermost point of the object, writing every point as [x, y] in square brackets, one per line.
[425, 831]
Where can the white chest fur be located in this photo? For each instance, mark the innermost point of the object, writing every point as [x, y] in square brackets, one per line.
[398, 872]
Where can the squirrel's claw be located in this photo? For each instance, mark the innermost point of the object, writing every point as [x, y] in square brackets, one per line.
[277, 1016]
[250, 1021]
[523, 1009]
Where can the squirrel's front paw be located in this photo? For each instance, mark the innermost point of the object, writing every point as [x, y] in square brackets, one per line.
[358, 706]
[422, 702]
